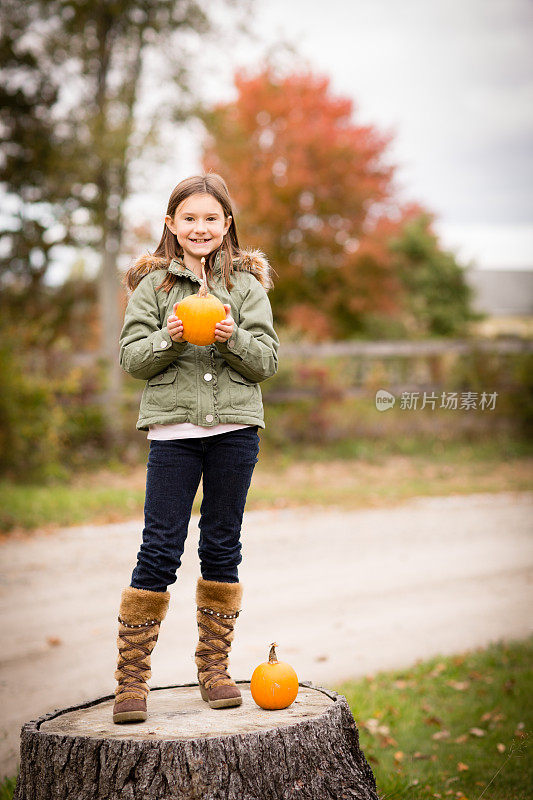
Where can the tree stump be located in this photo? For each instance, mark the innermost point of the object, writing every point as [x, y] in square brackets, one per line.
[188, 751]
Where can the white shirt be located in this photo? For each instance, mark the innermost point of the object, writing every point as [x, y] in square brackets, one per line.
[186, 430]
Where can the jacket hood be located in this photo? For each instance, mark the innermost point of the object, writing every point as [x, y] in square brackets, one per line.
[256, 262]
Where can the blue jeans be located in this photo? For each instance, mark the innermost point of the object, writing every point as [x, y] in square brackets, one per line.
[226, 461]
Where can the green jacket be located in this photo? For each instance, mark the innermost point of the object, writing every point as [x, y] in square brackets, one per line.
[203, 385]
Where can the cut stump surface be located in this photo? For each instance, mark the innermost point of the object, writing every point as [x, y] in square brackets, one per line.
[186, 750]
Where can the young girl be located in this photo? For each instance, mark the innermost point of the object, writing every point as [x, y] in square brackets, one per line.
[202, 408]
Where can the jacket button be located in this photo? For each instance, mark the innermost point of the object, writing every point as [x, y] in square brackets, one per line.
[207, 376]
[163, 344]
[209, 418]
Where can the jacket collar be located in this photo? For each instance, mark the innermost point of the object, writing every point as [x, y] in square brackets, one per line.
[177, 267]
[251, 260]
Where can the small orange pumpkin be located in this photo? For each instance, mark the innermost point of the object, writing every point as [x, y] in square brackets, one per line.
[274, 683]
[199, 314]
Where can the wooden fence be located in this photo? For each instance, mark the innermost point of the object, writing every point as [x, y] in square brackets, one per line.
[405, 348]
[396, 365]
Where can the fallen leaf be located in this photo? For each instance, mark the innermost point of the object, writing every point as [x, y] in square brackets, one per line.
[462, 767]
[500, 747]
[519, 732]
[443, 734]
[459, 685]
[398, 755]
[477, 732]
[372, 726]
[461, 739]
[437, 669]
[388, 741]
[433, 720]
[420, 756]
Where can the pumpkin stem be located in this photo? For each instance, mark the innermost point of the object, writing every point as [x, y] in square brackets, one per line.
[203, 291]
[272, 657]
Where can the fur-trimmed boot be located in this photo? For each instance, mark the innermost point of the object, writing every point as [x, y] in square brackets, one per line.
[141, 612]
[217, 608]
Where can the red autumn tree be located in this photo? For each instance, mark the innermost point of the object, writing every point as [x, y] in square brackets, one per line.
[313, 189]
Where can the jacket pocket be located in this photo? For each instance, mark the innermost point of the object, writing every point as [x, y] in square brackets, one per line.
[162, 390]
[244, 394]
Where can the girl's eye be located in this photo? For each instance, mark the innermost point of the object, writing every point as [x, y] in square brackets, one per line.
[189, 218]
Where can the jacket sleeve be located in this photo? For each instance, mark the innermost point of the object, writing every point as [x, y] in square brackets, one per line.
[145, 347]
[252, 348]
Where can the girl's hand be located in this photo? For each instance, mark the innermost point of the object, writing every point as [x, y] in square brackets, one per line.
[175, 328]
[224, 329]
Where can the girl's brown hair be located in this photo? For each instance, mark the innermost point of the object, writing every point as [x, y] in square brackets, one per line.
[169, 247]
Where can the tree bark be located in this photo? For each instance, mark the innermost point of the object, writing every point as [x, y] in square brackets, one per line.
[110, 326]
[114, 183]
[187, 751]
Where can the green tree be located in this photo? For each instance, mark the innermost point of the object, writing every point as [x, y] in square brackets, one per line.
[437, 298]
[72, 75]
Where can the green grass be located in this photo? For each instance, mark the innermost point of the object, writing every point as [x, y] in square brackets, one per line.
[496, 448]
[455, 727]
[433, 467]
[7, 787]
[28, 506]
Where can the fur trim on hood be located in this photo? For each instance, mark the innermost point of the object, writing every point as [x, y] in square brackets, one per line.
[250, 260]
[256, 262]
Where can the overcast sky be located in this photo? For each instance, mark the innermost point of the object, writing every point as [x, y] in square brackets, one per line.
[453, 79]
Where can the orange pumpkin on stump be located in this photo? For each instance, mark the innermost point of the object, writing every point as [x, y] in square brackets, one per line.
[274, 683]
[199, 314]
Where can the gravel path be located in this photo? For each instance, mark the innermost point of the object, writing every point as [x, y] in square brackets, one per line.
[343, 593]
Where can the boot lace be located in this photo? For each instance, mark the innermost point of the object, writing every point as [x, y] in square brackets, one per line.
[131, 667]
[215, 658]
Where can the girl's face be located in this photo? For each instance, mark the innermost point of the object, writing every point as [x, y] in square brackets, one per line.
[199, 225]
